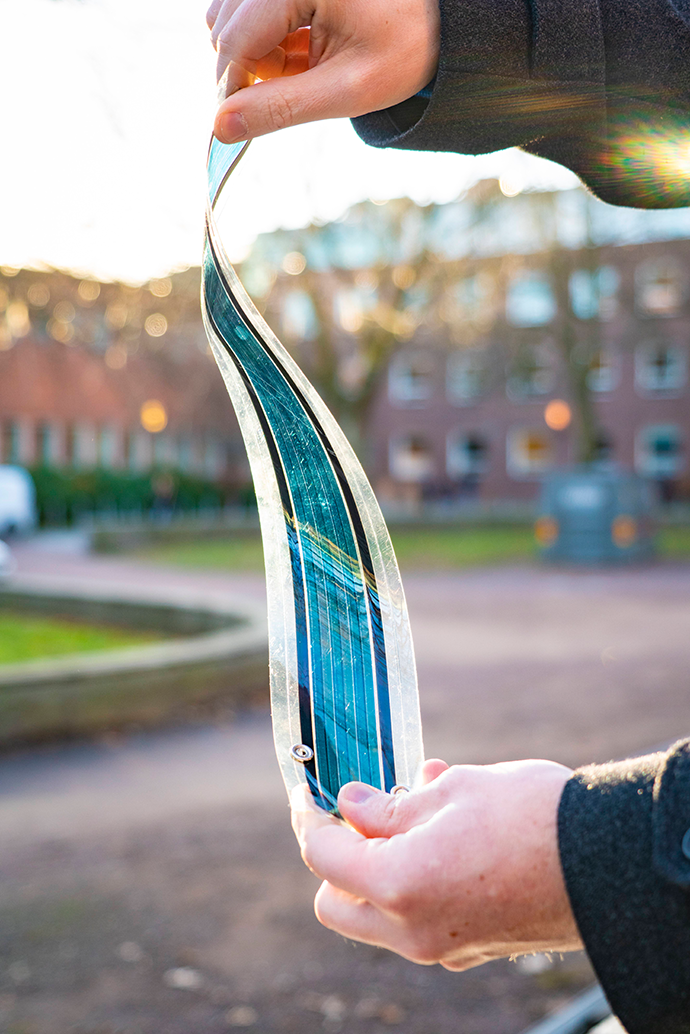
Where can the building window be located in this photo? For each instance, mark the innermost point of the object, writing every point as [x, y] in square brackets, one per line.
[71, 446]
[604, 372]
[660, 367]
[467, 299]
[411, 459]
[139, 450]
[107, 447]
[603, 447]
[44, 444]
[186, 453]
[84, 446]
[594, 293]
[466, 455]
[660, 288]
[659, 451]
[466, 376]
[528, 452]
[10, 442]
[298, 316]
[162, 450]
[531, 373]
[530, 301]
[410, 379]
[213, 458]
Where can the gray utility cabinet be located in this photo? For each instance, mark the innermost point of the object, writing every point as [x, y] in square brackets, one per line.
[591, 516]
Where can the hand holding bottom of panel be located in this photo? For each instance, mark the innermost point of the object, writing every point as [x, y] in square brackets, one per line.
[463, 870]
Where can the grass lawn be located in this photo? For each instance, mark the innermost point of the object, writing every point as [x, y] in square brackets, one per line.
[425, 548]
[674, 543]
[26, 637]
[416, 548]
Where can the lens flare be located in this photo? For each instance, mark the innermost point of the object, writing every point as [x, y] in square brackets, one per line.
[648, 165]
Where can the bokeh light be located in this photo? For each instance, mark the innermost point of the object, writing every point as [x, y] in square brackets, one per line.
[153, 416]
[161, 288]
[17, 317]
[624, 531]
[64, 312]
[116, 315]
[38, 295]
[156, 325]
[403, 277]
[294, 263]
[89, 290]
[61, 331]
[546, 531]
[558, 415]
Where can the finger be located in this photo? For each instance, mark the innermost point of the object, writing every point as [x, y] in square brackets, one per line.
[312, 825]
[281, 62]
[318, 93]
[247, 31]
[362, 921]
[432, 769]
[221, 11]
[377, 814]
[338, 853]
[306, 815]
[212, 13]
[350, 916]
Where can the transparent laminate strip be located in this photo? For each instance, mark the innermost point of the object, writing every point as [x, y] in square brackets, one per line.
[342, 664]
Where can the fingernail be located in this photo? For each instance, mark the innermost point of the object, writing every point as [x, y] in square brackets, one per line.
[357, 793]
[233, 127]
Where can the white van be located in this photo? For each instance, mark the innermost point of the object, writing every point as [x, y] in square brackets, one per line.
[17, 500]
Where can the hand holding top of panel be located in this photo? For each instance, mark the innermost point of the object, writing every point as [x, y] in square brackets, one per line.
[318, 59]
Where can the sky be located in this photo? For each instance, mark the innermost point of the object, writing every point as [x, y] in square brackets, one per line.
[107, 113]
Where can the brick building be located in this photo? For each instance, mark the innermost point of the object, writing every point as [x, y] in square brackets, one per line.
[111, 376]
[501, 298]
[485, 307]
[455, 421]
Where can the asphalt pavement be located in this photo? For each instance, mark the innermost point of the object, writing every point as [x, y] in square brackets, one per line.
[150, 883]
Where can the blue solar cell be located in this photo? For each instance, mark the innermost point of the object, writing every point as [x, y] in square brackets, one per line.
[335, 636]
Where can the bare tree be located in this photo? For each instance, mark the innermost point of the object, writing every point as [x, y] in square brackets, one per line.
[423, 280]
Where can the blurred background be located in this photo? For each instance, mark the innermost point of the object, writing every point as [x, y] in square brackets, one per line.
[508, 356]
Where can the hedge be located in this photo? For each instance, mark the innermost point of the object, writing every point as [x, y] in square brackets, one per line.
[64, 496]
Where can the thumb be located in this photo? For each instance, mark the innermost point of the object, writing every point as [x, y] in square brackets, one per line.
[277, 103]
[374, 813]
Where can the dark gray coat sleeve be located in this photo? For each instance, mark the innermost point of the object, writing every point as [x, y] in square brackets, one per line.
[601, 86]
[624, 832]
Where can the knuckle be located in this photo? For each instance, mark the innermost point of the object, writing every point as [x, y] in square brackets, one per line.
[397, 895]
[424, 950]
[223, 42]
[279, 111]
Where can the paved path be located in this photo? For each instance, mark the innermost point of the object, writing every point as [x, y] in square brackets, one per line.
[513, 662]
[177, 842]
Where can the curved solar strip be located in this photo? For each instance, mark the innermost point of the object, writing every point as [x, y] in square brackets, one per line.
[343, 681]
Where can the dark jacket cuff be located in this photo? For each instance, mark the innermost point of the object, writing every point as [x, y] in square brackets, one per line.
[599, 86]
[510, 72]
[624, 832]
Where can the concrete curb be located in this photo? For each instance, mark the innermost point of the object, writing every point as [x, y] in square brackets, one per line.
[221, 657]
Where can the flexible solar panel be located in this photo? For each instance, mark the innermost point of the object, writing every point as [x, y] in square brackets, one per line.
[343, 681]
